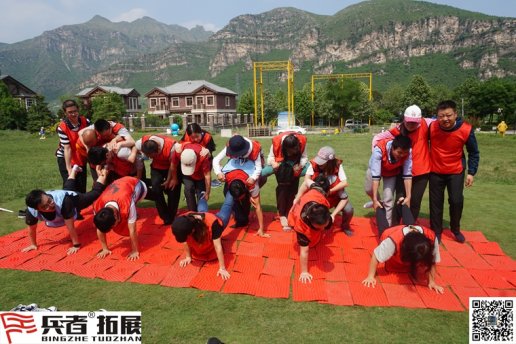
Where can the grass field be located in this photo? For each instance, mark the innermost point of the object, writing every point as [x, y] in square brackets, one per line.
[191, 316]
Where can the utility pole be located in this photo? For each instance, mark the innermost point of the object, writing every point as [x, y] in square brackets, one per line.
[462, 99]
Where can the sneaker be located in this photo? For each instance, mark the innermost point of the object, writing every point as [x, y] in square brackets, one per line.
[287, 229]
[368, 205]
[77, 168]
[459, 237]
[283, 220]
[22, 214]
[215, 183]
[438, 237]
[239, 225]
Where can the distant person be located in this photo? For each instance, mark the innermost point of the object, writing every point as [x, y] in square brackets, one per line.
[42, 133]
[416, 128]
[68, 133]
[115, 210]
[502, 128]
[448, 137]
[60, 208]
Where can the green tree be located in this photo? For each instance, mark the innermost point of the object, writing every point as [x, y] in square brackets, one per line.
[439, 93]
[323, 106]
[109, 106]
[465, 94]
[246, 103]
[39, 115]
[303, 104]
[495, 94]
[419, 93]
[12, 114]
[392, 100]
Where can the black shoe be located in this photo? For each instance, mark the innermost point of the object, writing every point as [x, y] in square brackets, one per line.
[347, 231]
[239, 225]
[22, 214]
[459, 237]
[80, 217]
[438, 237]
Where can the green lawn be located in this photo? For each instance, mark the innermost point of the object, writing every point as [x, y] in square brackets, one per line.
[190, 316]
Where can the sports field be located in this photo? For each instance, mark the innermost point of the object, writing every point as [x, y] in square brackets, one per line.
[172, 315]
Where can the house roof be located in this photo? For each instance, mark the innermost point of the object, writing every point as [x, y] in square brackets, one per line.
[117, 90]
[190, 86]
[23, 91]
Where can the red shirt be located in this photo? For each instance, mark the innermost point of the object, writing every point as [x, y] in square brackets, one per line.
[300, 226]
[447, 148]
[206, 249]
[164, 157]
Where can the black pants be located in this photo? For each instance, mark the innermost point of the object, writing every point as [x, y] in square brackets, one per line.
[81, 200]
[402, 212]
[80, 178]
[417, 192]
[285, 194]
[193, 190]
[454, 183]
[166, 212]
[241, 209]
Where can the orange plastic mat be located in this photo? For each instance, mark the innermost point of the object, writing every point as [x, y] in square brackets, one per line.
[269, 267]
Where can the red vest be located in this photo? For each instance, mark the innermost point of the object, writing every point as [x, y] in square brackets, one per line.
[205, 250]
[73, 137]
[122, 167]
[81, 154]
[164, 157]
[277, 140]
[295, 219]
[333, 199]
[256, 151]
[206, 138]
[389, 169]
[238, 175]
[447, 148]
[120, 191]
[114, 129]
[395, 264]
[420, 152]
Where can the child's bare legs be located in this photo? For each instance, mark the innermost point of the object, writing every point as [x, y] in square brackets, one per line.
[255, 201]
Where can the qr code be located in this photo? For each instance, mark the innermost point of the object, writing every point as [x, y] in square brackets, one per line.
[491, 320]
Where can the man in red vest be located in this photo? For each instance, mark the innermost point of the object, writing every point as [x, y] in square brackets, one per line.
[116, 209]
[448, 136]
[389, 158]
[68, 132]
[165, 178]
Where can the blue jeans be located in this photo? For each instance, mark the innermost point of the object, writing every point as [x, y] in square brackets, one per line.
[225, 211]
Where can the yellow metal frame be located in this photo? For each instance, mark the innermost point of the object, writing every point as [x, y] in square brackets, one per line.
[339, 76]
[267, 66]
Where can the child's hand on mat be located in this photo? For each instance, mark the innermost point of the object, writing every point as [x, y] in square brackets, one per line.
[262, 234]
[103, 253]
[185, 262]
[438, 289]
[305, 277]
[133, 256]
[369, 282]
[223, 273]
[29, 248]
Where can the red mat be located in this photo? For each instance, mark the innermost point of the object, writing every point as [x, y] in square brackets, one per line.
[269, 267]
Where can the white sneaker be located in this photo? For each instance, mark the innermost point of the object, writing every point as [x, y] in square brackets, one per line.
[77, 168]
[283, 220]
[368, 205]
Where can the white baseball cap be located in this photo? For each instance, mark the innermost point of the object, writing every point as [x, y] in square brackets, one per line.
[412, 114]
[188, 161]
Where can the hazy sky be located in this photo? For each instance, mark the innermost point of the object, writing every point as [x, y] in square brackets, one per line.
[24, 19]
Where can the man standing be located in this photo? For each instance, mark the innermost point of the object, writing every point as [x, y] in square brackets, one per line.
[448, 136]
[68, 132]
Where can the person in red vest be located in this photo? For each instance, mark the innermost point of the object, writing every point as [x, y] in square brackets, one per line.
[242, 152]
[326, 164]
[114, 134]
[165, 177]
[406, 248]
[309, 218]
[121, 164]
[115, 210]
[448, 136]
[287, 158]
[195, 134]
[68, 132]
[416, 128]
[196, 172]
[200, 233]
[389, 158]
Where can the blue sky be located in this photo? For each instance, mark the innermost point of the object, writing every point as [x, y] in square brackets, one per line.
[24, 19]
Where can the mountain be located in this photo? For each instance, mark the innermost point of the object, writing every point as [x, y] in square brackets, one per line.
[394, 39]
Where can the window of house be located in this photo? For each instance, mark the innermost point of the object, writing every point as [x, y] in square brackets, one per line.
[133, 103]
[199, 100]
[29, 102]
[153, 102]
[189, 101]
[209, 100]
[175, 101]
[228, 101]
